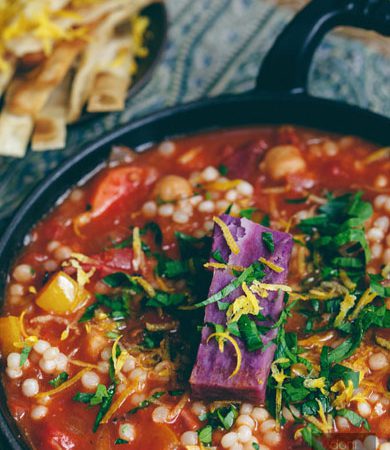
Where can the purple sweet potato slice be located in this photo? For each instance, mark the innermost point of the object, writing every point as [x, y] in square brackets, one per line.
[210, 378]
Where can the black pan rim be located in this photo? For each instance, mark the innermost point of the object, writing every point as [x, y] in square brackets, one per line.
[22, 223]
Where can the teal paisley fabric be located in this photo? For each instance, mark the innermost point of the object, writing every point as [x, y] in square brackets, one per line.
[215, 46]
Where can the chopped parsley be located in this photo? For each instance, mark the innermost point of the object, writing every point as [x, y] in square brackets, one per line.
[59, 379]
[254, 271]
[102, 397]
[268, 241]
[206, 435]
[223, 170]
[92, 399]
[149, 401]
[151, 339]
[248, 213]
[355, 419]
[117, 306]
[120, 441]
[24, 354]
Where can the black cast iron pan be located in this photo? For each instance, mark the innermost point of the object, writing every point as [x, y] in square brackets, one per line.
[280, 96]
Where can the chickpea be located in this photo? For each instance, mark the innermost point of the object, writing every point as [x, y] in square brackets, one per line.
[172, 187]
[283, 160]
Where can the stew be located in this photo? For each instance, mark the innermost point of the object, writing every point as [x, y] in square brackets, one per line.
[227, 290]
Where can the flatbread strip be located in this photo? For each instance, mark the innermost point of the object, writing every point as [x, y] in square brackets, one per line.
[6, 76]
[15, 132]
[85, 75]
[50, 124]
[113, 77]
[28, 96]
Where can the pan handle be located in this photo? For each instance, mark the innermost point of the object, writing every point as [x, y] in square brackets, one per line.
[286, 66]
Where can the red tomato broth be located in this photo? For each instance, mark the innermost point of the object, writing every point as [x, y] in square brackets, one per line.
[68, 424]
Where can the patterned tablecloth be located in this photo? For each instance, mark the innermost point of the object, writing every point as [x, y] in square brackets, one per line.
[216, 46]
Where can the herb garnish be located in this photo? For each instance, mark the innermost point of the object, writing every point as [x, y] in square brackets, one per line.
[149, 401]
[59, 379]
[268, 241]
[24, 354]
[206, 435]
[254, 271]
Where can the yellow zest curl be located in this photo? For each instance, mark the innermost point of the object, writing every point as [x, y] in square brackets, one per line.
[236, 348]
[232, 244]
[271, 265]
[345, 306]
[367, 297]
[63, 386]
[118, 403]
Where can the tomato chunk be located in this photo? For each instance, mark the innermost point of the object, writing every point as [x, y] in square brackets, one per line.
[111, 261]
[52, 438]
[119, 185]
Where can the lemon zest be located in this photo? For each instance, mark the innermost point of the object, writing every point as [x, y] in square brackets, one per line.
[63, 386]
[21, 321]
[348, 283]
[232, 244]
[163, 285]
[322, 424]
[244, 304]
[367, 297]
[32, 290]
[65, 333]
[271, 265]
[385, 343]
[80, 363]
[236, 348]
[322, 295]
[345, 306]
[223, 185]
[279, 376]
[378, 155]
[28, 340]
[118, 361]
[345, 394]
[315, 383]
[263, 288]
[137, 248]
[83, 277]
[118, 403]
[147, 287]
[217, 265]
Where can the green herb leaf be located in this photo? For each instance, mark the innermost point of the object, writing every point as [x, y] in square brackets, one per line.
[59, 379]
[248, 213]
[295, 201]
[151, 339]
[249, 333]
[205, 435]
[120, 441]
[218, 256]
[149, 401]
[268, 241]
[354, 418]
[105, 405]
[234, 284]
[265, 221]
[24, 354]
[176, 393]
[223, 170]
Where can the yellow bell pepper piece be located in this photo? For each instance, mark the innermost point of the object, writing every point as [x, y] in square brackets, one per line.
[10, 332]
[61, 295]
